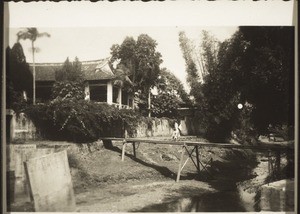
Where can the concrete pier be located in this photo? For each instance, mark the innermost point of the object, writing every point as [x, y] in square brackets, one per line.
[278, 196]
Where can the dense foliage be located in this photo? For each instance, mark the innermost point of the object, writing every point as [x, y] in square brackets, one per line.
[255, 68]
[68, 90]
[170, 95]
[69, 81]
[81, 121]
[139, 61]
[70, 71]
[19, 78]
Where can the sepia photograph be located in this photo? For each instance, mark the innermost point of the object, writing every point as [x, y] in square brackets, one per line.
[147, 113]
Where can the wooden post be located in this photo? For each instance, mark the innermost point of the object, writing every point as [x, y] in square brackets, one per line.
[198, 159]
[180, 163]
[123, 149]
[133, 145]
[277, 163]
[269, 162]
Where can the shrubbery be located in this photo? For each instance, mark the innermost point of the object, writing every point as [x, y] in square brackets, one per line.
[82, 121]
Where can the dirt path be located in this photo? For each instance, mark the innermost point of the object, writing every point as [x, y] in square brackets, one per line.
[133, 196]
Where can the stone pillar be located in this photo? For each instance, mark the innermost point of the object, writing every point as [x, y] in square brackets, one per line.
[278, 196]
[120, 97]
[109, 92]
[10, 124]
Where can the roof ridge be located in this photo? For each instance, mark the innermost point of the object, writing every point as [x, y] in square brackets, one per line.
[61, 63]
[46, 63]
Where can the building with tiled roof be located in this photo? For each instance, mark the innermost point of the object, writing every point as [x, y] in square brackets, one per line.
[98, 78]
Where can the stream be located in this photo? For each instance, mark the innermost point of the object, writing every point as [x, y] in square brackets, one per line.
[231, 194]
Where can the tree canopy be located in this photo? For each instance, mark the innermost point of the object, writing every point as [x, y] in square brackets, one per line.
[255, 68]
[70, 71]
[169, 97]
[69, 81]
[141, 60]
[19, 77]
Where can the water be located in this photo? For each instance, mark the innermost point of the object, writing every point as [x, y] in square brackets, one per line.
[209, 202]
[228, 198]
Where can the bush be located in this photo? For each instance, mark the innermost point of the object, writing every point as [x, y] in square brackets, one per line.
[82, 121]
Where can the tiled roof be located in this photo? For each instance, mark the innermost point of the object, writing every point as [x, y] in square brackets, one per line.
[97, 69]
[46, 71]
[93, 70]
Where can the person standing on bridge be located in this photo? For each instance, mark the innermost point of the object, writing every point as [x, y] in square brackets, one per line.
[176, 133]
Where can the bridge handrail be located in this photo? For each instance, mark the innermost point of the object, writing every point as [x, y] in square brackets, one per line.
[259, 146]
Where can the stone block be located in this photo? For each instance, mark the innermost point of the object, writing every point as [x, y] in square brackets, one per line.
[50, 183]
[278, 196]
[22, 151]
[18, 154]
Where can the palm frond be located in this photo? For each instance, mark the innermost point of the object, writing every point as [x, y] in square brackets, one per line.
[44, 34]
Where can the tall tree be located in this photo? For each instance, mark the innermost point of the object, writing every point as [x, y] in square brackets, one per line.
[69, 81]
[32, 34]
[193, 73]
[19, 78]
[269, 64]
[18, 69]
[254, 67]
[208, 52]
[70, 71]
[169, 83]
[140, 61]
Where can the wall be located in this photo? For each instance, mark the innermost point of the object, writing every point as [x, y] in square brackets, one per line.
[20, 127]
[278, 196]
[17, 154]
[160, 127]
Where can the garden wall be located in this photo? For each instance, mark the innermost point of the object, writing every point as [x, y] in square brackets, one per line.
[162, 127]
[22, 128]
[19, 127]
[158, 127]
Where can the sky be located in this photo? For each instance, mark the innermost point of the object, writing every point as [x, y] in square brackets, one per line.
[88, 30]
[91, 43]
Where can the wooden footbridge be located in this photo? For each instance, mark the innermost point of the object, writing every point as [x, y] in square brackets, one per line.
[192, 146]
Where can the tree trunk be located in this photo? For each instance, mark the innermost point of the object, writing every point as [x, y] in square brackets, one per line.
[149, 103]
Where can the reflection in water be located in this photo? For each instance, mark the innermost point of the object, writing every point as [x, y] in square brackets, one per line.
[229, 201]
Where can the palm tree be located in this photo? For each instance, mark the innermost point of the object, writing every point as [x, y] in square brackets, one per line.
[32, 34]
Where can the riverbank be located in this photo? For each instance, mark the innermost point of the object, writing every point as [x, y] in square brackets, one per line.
[103, 183]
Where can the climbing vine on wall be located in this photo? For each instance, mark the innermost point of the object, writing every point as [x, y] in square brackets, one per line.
[82, 121]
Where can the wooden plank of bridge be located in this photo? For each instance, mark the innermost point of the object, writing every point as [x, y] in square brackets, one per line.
[196, 144]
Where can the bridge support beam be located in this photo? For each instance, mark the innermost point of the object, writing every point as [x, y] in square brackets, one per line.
[197, 163]
[180, 163]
